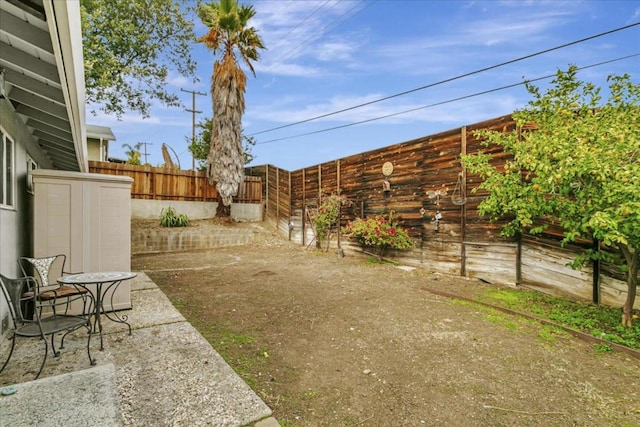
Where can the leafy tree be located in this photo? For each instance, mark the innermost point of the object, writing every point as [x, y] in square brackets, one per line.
[129, 47]
[133, 153]
[228, 35]
[201, 147]
[579, 169]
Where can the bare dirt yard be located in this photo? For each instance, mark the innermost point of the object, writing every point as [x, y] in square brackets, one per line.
[328, 341]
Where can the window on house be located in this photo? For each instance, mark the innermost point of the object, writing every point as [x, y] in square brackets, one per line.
[7, 175]
[31, 166]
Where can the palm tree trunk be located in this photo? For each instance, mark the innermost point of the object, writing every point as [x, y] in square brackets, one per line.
[225, 162]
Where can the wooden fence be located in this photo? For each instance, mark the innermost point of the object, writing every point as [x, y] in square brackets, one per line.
[153, 183]
[428, 178]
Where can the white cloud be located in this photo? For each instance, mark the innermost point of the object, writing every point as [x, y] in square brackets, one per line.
[436, 50]
[634, 17]
[178, 80]
[287, 69]
[334, 51]
[513, 28]
[302, 31]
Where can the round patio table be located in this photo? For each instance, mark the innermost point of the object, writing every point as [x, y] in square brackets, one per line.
[103, 281]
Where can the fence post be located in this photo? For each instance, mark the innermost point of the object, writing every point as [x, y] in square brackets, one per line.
[277, 198]
[266, 191]
[290, 207]
[519, 260]
[319, 183]
[463, 207]
[195, 185]
[304, 207]
[596, 274]
[152, 182]
[340, 204]
[203, 183]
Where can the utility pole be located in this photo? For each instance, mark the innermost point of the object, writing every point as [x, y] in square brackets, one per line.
[193, 112]
[145, 150]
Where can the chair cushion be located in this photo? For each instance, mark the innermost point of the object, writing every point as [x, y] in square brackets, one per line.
[62, 292]
[43, 265]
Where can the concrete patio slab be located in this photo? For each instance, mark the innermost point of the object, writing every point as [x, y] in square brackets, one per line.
[91, 393]
[166, 373]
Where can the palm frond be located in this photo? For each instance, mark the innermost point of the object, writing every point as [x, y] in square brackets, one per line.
[245, 13]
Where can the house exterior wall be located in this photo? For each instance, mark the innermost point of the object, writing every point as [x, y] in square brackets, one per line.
[16, 223]
[94, 152]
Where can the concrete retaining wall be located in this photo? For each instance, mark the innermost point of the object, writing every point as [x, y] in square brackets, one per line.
[247, 212]
[187, 239]
[151, 209]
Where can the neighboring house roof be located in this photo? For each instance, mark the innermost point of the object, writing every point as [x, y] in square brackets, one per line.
[100, 132]
[41, 52]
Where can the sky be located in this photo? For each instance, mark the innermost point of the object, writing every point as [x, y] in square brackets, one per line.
[326, 56]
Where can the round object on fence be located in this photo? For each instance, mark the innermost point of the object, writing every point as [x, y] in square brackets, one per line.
[387, 168]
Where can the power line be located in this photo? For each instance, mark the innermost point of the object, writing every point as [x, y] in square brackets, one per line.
[458, 77]
[444, 102]
[310, 40]
[277, 43]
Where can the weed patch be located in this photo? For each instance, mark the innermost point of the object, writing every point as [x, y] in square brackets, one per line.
[596, 320]
[239, 350]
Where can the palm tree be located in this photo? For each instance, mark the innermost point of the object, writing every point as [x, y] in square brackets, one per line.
[228, 35]
[133, 153]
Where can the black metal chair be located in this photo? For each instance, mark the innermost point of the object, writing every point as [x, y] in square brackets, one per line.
[24, 292]
[46, 271]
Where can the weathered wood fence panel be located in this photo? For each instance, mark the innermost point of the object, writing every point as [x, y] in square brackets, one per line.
[613, 290]
[276, 194]
[491, 262]
[250, 191]
[440, 256]
[173, 184]
[428, 178]
[160, 183]
[544, 266]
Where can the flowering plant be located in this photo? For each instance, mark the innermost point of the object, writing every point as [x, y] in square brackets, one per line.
[380, 232]
[327, 217]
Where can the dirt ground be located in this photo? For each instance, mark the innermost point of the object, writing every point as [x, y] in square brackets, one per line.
[347, 342]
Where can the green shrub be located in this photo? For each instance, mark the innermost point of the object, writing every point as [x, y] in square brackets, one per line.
[327, 218]
[379, 232]
[169, 218]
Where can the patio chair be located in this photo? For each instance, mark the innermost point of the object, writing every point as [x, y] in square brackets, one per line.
[46, 271]
[19, 293]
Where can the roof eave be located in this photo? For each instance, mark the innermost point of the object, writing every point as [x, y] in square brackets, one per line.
[65, 28]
